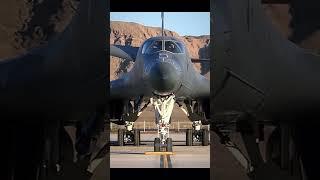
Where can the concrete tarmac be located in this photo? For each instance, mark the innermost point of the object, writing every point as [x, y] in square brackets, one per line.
[131, 156]
[223, 163]
[183, 157]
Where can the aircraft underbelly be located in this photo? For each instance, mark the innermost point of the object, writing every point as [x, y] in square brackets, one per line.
[184, 91]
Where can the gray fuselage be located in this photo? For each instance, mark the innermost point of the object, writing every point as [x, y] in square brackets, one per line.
[164, 73]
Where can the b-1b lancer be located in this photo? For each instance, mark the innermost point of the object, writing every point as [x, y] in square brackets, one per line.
[162, 75]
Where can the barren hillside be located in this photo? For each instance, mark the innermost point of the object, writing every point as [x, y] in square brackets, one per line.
[133, 34]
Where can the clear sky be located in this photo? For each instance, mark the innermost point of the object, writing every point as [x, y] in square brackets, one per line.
[184, 23]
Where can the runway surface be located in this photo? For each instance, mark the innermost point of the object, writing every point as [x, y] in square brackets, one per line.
[183, 157]
[223, 164]
[130, 156]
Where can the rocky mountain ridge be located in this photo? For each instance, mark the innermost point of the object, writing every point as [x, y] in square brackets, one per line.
[134, 34]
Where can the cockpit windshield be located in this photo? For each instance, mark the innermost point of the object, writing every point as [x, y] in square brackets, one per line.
[151, 47]
[154, 47]
[173, 47]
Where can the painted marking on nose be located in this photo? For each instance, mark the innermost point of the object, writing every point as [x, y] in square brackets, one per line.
[163, 56]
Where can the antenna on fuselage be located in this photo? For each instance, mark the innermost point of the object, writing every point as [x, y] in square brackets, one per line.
[162, 19]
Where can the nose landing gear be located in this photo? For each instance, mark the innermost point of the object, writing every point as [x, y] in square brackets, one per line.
[163, 109]
[163, 142]
[158, 146]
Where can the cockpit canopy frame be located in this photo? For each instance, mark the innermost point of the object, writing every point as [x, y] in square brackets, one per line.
[173, 46]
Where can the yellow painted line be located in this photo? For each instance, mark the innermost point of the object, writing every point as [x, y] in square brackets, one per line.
[165, 161]
[158, 153]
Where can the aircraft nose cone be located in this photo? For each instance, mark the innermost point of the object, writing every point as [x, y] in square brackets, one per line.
[164, 77]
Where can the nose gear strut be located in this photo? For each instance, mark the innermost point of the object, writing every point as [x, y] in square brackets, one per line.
[163, 106]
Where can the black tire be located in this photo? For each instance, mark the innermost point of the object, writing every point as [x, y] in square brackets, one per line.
[120, 137]
[157, 145]
[137, 137]
[189, 137]
[205, 137]
[169, 144]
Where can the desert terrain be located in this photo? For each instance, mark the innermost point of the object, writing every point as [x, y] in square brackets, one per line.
[134, 34]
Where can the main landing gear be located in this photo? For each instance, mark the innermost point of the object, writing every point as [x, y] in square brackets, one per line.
[197, 135]
[129, 135]
[132, 112]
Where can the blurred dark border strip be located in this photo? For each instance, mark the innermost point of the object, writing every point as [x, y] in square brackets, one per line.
[159, 6]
